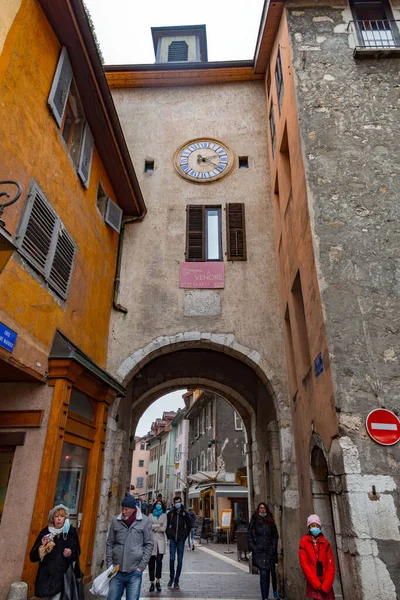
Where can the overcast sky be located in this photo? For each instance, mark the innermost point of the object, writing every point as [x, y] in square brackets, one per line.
[123, 26]
[171, 401]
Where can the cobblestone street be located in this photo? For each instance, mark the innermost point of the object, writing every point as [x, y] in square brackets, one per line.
[208, 573]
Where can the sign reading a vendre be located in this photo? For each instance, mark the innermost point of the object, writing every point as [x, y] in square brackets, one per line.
[208, 275]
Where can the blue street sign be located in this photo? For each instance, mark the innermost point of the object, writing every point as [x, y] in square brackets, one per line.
[7, 337]
[318, 365]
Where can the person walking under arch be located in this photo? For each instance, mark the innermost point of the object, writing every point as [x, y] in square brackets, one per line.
[178, 529]
[317, 562]
[262, 539]
[158, 520]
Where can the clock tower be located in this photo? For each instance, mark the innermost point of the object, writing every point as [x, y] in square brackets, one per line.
[186, 43]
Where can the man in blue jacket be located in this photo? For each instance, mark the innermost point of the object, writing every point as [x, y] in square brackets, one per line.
[129, 545]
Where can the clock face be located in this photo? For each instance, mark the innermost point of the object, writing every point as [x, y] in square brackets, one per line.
[203, 160]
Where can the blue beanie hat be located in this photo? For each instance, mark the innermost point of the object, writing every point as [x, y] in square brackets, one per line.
[129, 501]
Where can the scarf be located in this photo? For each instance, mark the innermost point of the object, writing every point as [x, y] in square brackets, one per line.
[64, 529]
[131, 519]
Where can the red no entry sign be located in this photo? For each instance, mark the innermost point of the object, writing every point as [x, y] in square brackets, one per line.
[383, 426]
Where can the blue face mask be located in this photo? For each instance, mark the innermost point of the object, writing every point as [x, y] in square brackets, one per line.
[157, 509]
[315, 531]
[178, 505]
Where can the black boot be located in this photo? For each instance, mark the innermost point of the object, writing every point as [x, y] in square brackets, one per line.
[151, 589]
[158, 586]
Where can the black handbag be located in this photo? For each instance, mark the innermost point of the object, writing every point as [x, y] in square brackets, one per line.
[73, 583]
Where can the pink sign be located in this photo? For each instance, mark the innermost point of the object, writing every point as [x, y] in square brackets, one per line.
[202, 275]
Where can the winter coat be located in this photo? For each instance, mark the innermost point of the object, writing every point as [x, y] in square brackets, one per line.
[309, 553]
[50, 575]
[158, 527]
[262, 539]
[179, 524]
[129, 547]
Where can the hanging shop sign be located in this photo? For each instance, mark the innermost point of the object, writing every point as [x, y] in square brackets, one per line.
[206, 275]
[383, 426]
[8, 337]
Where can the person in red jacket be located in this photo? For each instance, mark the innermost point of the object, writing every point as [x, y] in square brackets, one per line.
[317, 562]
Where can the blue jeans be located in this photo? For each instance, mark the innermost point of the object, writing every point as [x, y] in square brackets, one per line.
[173, 548]
[264, 583]
[191, 537]
[131, 581]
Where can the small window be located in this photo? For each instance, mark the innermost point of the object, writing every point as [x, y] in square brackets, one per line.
[279, 79]
[272, 129]
[45, 243]
[149, 166]
[80, 404]
[178, 51]
[243, 162]
[203, 234]
[238, 423]
[143, 445]
[141, 463]
[140, 482]
[101, 200]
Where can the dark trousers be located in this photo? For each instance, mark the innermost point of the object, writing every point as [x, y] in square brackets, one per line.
[155, 562]
[175, 548]
[264, 582]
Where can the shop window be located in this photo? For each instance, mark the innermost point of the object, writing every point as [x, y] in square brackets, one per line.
[81, 405]
[44, 242]
[67, 111]
[70, 488]
[6, 460]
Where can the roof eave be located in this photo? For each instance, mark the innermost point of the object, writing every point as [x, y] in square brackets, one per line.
[270, 19]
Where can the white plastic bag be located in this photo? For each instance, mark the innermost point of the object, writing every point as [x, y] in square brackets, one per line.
[102, 583]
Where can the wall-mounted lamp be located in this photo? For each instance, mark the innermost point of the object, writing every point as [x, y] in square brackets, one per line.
[7, 246]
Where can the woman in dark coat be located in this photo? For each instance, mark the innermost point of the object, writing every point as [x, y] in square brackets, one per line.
[56, 547]
[262, 538]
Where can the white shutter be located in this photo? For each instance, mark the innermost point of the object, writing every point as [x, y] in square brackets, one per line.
[63, 262]
[60, 89]
[85, 159]
[113, 216]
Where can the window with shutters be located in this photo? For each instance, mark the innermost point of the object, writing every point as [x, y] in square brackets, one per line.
[45, 243]
[67, 111]
[203, 233]
[235, 231]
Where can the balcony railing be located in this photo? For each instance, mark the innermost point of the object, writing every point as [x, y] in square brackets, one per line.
[375, 37]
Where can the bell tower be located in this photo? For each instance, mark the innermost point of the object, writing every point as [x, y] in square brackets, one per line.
[186, 43]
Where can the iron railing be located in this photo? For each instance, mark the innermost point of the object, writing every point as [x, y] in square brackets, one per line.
[375, 35]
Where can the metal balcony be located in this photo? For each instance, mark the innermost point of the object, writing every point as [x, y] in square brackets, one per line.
[375, 38]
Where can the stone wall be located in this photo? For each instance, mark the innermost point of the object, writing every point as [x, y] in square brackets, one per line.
[349, 111]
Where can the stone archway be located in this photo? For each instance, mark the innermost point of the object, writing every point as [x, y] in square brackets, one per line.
[217, 363]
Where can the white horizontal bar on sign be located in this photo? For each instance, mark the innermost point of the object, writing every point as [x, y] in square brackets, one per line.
[387, 426]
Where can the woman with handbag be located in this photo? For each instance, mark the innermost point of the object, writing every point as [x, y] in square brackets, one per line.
[158, 520]
[56, 548]
[262, 539]
[317, 562]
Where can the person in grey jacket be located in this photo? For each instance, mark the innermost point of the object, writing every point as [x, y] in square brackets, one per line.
[129, 545]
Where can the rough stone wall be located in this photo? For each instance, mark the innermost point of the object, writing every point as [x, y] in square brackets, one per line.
[230, 452]
[349, 112]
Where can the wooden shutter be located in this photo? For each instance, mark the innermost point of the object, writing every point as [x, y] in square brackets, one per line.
[113, 216]
[236, 232]
[36, 237]
[63, 262]
[195, 238]
[60, 89]
[85, 159]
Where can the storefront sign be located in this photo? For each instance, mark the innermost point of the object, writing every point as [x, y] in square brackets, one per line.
[202, 275]
[7, 338]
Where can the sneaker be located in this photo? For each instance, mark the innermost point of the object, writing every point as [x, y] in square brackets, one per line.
[158, 586]
[176, 586]
[151, 588]
[170, 582]
[276, 595]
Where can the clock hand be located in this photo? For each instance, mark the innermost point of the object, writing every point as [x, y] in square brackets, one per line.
[210, 161]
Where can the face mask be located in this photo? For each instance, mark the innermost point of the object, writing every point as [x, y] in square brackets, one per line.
[315, 531]
[157, 509]
[262, 514]
[178, 505]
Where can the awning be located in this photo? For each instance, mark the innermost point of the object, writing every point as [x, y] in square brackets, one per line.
[231, 491]
[194, 492]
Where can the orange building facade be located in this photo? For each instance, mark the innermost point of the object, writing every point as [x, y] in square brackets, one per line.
[61, 145]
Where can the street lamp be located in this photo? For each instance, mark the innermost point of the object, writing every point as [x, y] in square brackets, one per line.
[7, 246]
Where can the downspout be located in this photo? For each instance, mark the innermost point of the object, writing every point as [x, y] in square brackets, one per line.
[117, 279]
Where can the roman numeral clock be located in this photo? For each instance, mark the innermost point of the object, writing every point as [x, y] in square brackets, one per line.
[203, 160]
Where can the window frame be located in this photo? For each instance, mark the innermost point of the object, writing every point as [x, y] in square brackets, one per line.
[280, 87]
[272, 129]
[141, 465]
[238, 421]
[209, 209]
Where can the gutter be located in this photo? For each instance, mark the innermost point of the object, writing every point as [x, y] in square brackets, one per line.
[180, 66]
[117, 280]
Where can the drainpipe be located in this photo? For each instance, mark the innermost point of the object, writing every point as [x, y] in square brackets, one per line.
[117, 279]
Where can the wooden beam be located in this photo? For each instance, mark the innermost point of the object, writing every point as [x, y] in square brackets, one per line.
[21, 418]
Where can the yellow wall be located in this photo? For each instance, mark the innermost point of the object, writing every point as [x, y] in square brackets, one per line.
[31, 146]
